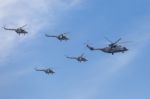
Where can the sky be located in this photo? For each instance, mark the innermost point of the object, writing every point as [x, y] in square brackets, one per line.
[103, 76]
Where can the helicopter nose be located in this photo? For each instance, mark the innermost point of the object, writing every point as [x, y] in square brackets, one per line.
[24, 31]
[86, 60]
[126, 49]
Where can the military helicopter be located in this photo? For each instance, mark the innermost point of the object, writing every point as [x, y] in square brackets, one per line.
[112, 48]
[47, 71]
[18, 30]
[79, 58]
[60, 37]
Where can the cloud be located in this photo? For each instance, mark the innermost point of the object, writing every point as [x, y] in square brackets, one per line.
[37, 14]
[11, 76]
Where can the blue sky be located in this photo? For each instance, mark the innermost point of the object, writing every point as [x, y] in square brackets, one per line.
[104, 76]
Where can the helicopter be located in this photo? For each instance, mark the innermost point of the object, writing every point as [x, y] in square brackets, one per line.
[112, 48]
[18, 30]
[47, 71]
[79, 58]
[60, 37]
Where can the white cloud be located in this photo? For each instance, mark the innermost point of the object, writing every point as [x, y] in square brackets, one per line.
[35, 13]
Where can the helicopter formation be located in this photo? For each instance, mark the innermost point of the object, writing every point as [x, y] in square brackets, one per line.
[112, 48]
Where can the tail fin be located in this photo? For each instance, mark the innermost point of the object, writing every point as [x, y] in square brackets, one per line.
[4, 27]
[35, 69]
[46, 35]
[90, 47]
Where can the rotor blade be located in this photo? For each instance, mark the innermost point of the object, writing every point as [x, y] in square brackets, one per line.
[117, 40]
[82, 55]
[87, 42]
[65, 32]
[108, 40]
[125, 42]
[23, 26]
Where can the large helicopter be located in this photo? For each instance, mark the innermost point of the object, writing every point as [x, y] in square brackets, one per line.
[79, 58]
[113, 47]
[60, 37]
[47, 70]
[18, 30]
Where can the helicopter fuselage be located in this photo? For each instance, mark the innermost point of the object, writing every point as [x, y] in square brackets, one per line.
[47, 71]
[110, 49]
[17, 30]
[62, 37]
[80, 59]
[20, 31]
[115, 49]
